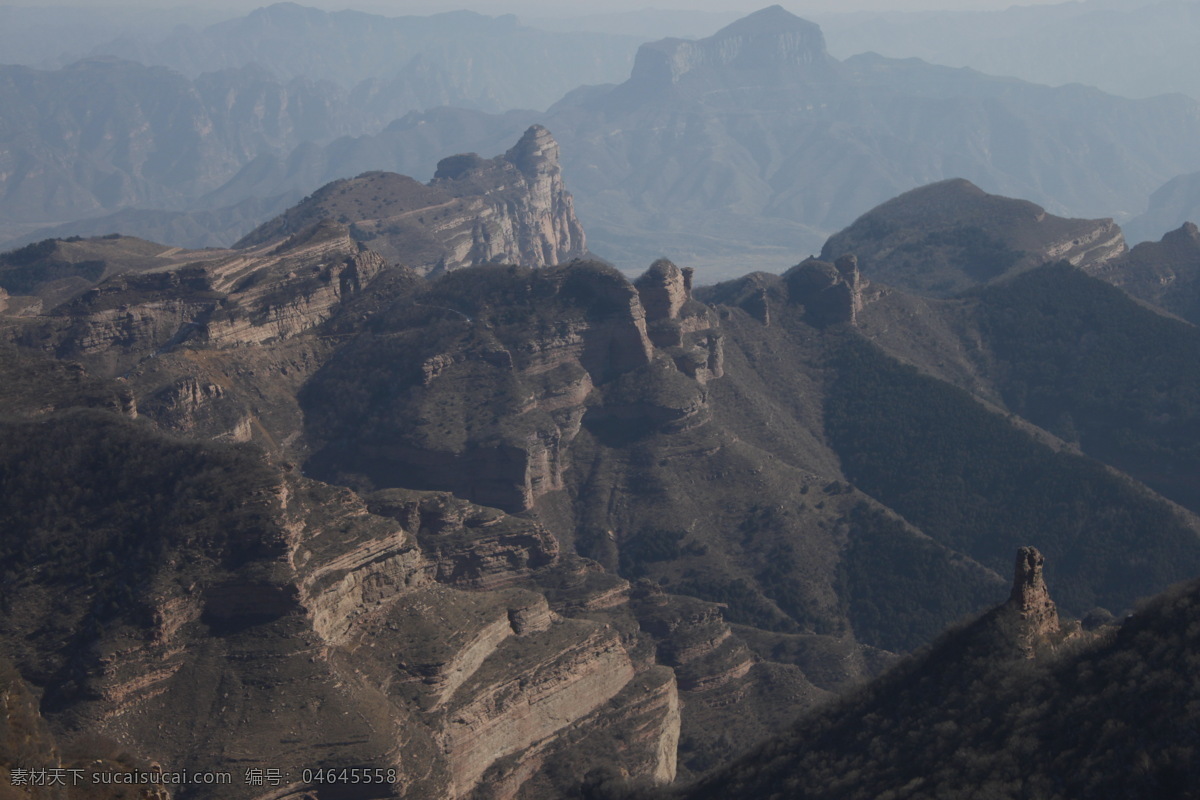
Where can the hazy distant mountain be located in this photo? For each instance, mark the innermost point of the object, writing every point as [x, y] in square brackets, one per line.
[745, 149]
[645, 23]
[106, 134]
[742, 150]
[1174, 203]
[1135, 49]
[50, 35]
[457, 58]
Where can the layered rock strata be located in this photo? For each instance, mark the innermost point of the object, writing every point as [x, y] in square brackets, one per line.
[511, 209]
[534, 383]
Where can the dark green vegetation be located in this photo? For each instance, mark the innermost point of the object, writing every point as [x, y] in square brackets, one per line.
[968, 717]
[1079, 358]
[94, 509]
[975, 483]
[899, 589]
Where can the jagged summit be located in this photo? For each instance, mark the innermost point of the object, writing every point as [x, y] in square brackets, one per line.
[513, 208]
[1165, 273]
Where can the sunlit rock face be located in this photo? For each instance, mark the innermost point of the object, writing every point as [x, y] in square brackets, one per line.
[511, 209]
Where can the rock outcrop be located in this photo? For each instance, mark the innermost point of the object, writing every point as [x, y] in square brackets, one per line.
[829, 293]
[469, 546]
[533, 383]
[1030, 601]
[1165, 273]
[220, 299]
[511, 209]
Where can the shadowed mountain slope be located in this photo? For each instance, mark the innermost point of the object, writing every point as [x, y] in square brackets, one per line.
[1107, 714]
[1053, 343]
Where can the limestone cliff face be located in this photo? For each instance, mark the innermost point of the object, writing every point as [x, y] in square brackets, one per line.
[190, 404]
[287, 289]
[222, 299]
[501, 713]
[511, 209]
[528, 217]
[338, 632]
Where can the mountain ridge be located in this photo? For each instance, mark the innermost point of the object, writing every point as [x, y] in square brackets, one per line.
[511, 524]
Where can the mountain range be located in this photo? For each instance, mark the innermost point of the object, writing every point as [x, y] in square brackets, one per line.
[1133, 48]
[401, 491]
[733, 152]
[511, 530]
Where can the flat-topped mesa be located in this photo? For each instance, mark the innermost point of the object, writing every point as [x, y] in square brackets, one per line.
[770, 40]
[1031, 600]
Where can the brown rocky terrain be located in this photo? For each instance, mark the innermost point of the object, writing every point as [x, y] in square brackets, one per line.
[510, 209]
[296, 506]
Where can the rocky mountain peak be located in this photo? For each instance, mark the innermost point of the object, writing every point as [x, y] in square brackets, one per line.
[948, 236]
[1188, 232]
[1030, 599]
[830, 292]
[514, 208]
[536, 153]
[663, 289]
[771, 39]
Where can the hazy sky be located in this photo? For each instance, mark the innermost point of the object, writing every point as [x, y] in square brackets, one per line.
[557, 7]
